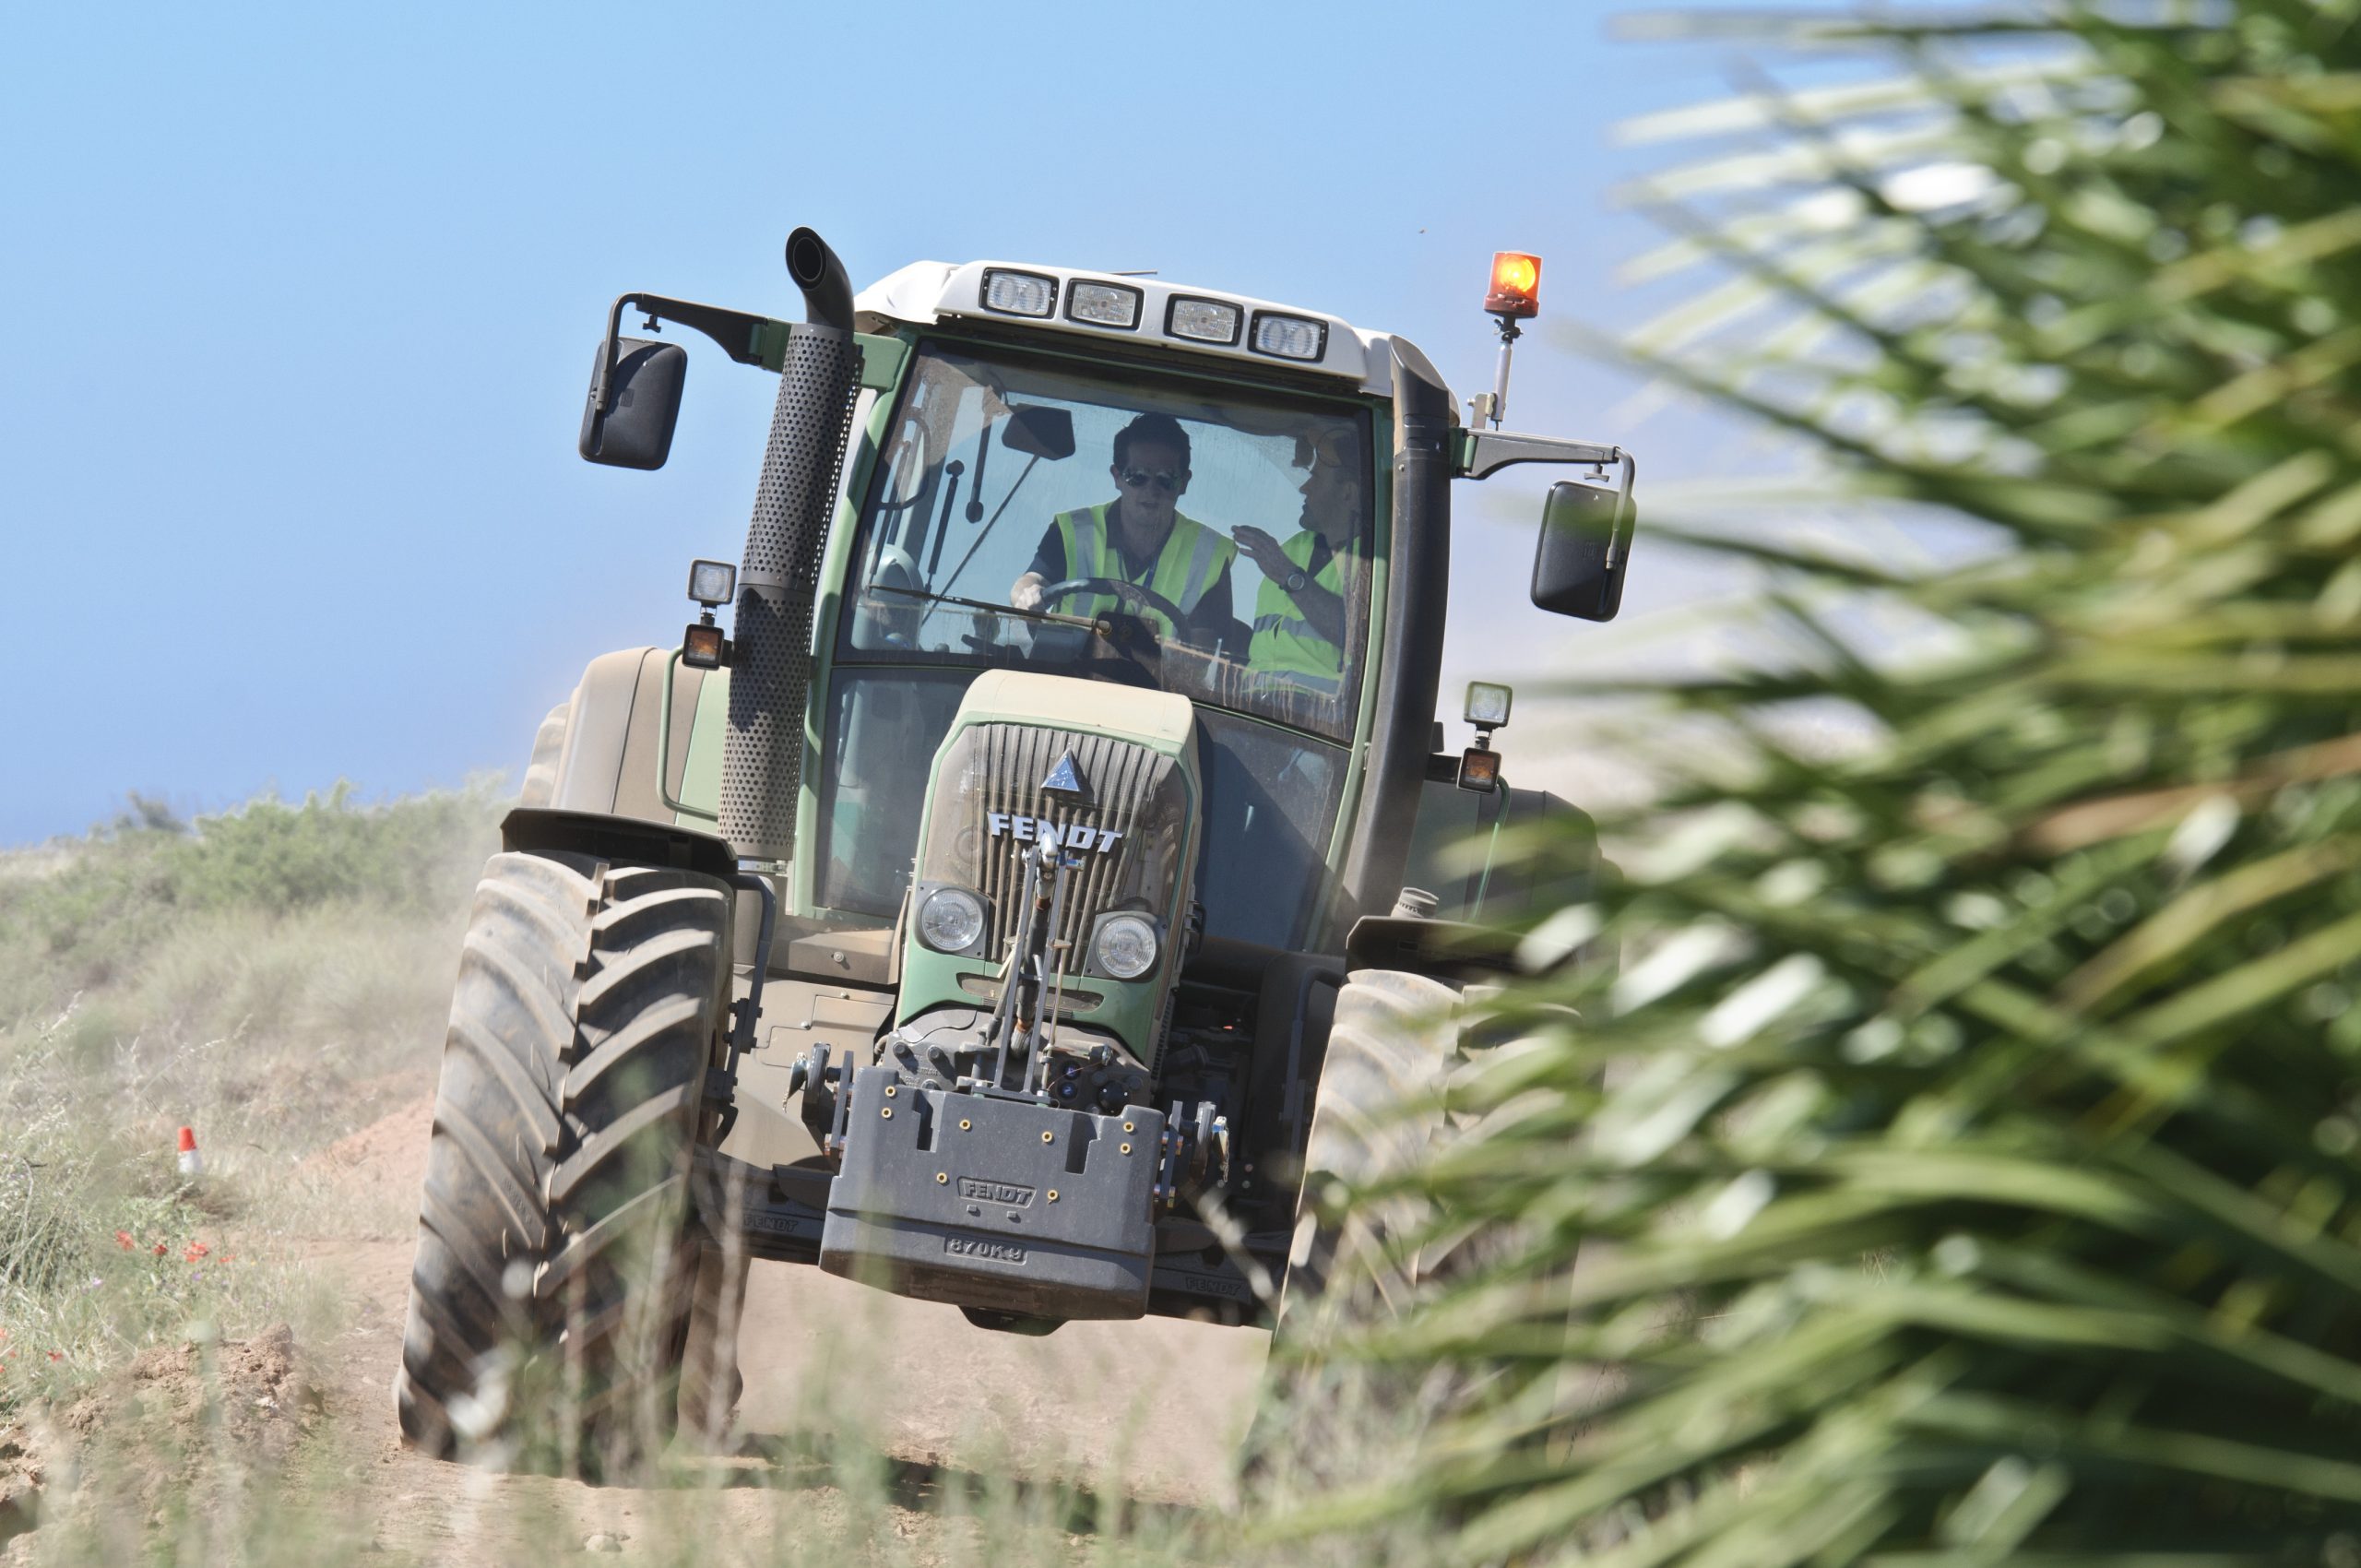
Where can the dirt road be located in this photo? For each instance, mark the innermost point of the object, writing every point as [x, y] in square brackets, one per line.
[1147, 1411]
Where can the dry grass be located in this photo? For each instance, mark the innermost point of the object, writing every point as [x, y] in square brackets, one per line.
[277, 1015]
[155, 980]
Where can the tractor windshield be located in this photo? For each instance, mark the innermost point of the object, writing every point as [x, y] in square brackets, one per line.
[1213, 543]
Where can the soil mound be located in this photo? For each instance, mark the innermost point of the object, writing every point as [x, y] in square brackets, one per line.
[180, 1416]
[250, 1402]
[390, 1151]
[20, 1479]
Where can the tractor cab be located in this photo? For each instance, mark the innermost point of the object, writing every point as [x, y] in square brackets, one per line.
[1034, 510]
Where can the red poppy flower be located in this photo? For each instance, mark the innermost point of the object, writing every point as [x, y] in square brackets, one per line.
[123, 1240]
[160, 1249]
[196, 1250]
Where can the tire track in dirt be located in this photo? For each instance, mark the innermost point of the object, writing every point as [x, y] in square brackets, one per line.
[1152, 1409]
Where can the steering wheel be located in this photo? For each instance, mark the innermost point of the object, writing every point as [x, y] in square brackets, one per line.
[1131, 596]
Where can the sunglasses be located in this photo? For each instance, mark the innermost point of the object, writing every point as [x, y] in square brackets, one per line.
[1164, 479]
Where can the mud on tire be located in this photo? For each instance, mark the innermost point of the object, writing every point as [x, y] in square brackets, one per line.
[556, 1264]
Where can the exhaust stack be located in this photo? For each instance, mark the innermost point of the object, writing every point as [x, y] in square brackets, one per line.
[762, 768]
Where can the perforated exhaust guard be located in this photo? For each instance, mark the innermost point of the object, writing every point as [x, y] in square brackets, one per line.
[762, 768]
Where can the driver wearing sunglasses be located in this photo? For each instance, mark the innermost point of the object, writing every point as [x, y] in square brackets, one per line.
[1141, 537]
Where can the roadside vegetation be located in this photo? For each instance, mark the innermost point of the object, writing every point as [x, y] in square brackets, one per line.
[258, 976]
[1963, 1167]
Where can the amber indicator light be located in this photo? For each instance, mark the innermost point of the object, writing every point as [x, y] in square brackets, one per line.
[1516, 285]
[1479, 769]
[701, 647]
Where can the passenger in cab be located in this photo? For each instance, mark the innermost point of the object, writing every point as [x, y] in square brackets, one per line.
[1299, 609]
[1141, 538]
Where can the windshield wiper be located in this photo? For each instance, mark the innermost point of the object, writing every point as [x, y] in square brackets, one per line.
[1048, 617]
[975, 509]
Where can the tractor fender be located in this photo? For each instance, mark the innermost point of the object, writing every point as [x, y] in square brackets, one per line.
[607, 762]
[623, 841]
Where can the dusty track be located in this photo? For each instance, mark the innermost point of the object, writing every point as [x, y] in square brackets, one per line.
[1150, 1410]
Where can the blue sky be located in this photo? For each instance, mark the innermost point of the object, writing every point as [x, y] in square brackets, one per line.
[305, 299]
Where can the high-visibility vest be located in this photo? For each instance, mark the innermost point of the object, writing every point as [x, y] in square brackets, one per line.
[1285, 644]
[1192, 560]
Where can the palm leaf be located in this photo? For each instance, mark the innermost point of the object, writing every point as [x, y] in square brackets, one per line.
[1965, 1166]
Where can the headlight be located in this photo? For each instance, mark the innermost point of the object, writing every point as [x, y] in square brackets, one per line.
[951, 920]
[1125, 946]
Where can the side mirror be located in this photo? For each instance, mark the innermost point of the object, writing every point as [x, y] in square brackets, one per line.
[644, 404]
[1585, 543]
[1038, 430]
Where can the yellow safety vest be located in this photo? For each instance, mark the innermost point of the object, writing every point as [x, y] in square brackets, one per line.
[1285, 644]
[1192, 560]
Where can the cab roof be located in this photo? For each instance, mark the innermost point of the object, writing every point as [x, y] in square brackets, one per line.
[927, 292]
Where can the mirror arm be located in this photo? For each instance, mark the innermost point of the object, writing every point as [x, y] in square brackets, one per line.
[738, 332]
[1485, 452]
[1620, 537]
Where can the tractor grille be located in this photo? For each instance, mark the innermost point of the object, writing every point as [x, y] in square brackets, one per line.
[1130, 793]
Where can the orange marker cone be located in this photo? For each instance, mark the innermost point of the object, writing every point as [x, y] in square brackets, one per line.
[191, 1163]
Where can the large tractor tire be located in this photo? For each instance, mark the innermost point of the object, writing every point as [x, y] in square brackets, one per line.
[557, 1266]
[1322, 1423]
[1395, 1039]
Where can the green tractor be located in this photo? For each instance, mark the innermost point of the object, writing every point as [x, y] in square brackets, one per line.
[1038, 888]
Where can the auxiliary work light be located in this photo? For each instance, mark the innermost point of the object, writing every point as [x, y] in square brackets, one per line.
[1019, 293]
[712, 583]
[1207, 321]
[1488, 704]
[1516, 285]
[1289, 337]
[1103, 304]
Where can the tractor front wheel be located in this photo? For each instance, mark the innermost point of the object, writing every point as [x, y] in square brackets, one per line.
[557, 1266]
[1374, 1115]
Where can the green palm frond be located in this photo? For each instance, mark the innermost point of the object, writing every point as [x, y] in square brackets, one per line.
[1965, 1165]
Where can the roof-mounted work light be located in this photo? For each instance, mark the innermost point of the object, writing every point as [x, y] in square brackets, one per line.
[1019, 293]
[1515, 296]
[1103, 304]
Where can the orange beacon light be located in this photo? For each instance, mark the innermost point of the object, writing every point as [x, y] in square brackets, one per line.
[1516, 296]
[1516, 285]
